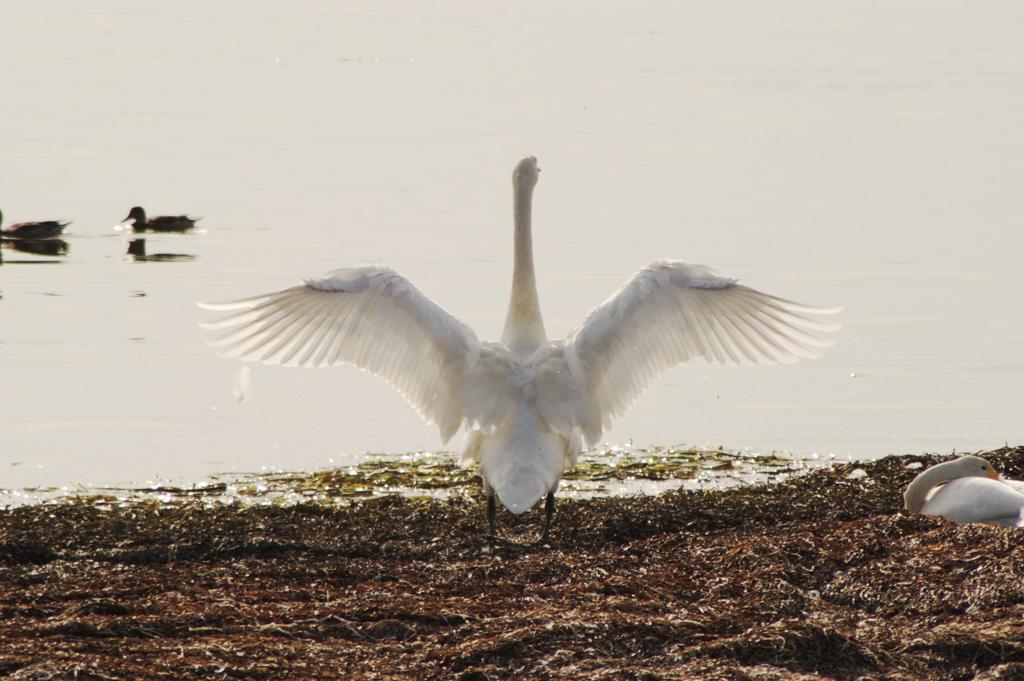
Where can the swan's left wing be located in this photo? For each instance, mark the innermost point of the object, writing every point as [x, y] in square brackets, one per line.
[670, 312]
[371, 317]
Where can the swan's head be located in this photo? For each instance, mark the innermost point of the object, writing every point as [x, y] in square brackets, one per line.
[971, 467]
[136, 215]
[526, 173]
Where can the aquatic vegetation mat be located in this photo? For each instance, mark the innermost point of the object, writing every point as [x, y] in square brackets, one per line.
[817, 576]
[613, 471]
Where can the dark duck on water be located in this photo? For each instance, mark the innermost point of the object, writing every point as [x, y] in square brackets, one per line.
[46, 229]
[160, 223]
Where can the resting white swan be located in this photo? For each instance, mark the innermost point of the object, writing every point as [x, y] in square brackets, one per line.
[966, 490]
[528, 404]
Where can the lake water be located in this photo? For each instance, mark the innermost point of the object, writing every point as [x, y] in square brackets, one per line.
[869, 155]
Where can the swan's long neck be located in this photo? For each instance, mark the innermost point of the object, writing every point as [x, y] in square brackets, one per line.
[524, 327]
[917, 491]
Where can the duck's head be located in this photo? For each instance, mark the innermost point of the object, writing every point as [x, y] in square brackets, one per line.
[137, 216]
[526, 173]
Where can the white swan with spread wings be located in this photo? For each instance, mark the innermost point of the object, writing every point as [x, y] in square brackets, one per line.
[529, 404]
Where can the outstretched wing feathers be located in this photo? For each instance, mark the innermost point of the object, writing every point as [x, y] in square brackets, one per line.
[374, 318]
[369, 316]
[671, 312]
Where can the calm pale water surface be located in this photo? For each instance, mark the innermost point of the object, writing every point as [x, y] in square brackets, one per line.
[837, 153]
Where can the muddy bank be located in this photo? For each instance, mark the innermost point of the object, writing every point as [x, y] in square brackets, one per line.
[817, 576]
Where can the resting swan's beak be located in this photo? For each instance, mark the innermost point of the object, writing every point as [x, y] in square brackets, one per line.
[992, 473]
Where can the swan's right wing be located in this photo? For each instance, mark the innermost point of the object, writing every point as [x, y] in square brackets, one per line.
[1013, 484]
[371, 317]
[670, 312]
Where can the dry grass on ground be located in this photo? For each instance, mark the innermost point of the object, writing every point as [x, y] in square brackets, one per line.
[820, 576]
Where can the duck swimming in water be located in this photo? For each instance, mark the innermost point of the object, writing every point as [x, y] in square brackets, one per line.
[528, 404]
[160, 223]
[46, 229]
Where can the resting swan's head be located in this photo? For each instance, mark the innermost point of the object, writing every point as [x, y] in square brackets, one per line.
[970, 467]
[526, 173]
[965, 467]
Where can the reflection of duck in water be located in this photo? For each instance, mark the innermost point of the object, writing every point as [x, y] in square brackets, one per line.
[161, 223]
[137, 251]
[38, 246]
[47, 229]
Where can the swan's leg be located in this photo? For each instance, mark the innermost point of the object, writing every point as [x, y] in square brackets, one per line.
[549, 510]
[491, 510]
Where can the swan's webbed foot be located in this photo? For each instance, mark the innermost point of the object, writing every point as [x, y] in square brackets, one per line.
[491, 511]
[549, 511]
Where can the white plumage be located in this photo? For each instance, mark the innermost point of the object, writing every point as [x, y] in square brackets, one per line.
[528, 403]
[967, 490]
[372, 317]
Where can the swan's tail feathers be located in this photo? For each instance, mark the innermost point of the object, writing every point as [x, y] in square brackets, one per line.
[471, 448]
[520, 493]
[574, 446]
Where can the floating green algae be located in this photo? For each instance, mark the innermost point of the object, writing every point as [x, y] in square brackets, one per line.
[607, 472]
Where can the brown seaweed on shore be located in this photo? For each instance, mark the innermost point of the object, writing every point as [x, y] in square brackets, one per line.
[819, 576]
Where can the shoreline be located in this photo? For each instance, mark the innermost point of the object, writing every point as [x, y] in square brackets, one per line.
[818, 576]
[611, 471]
